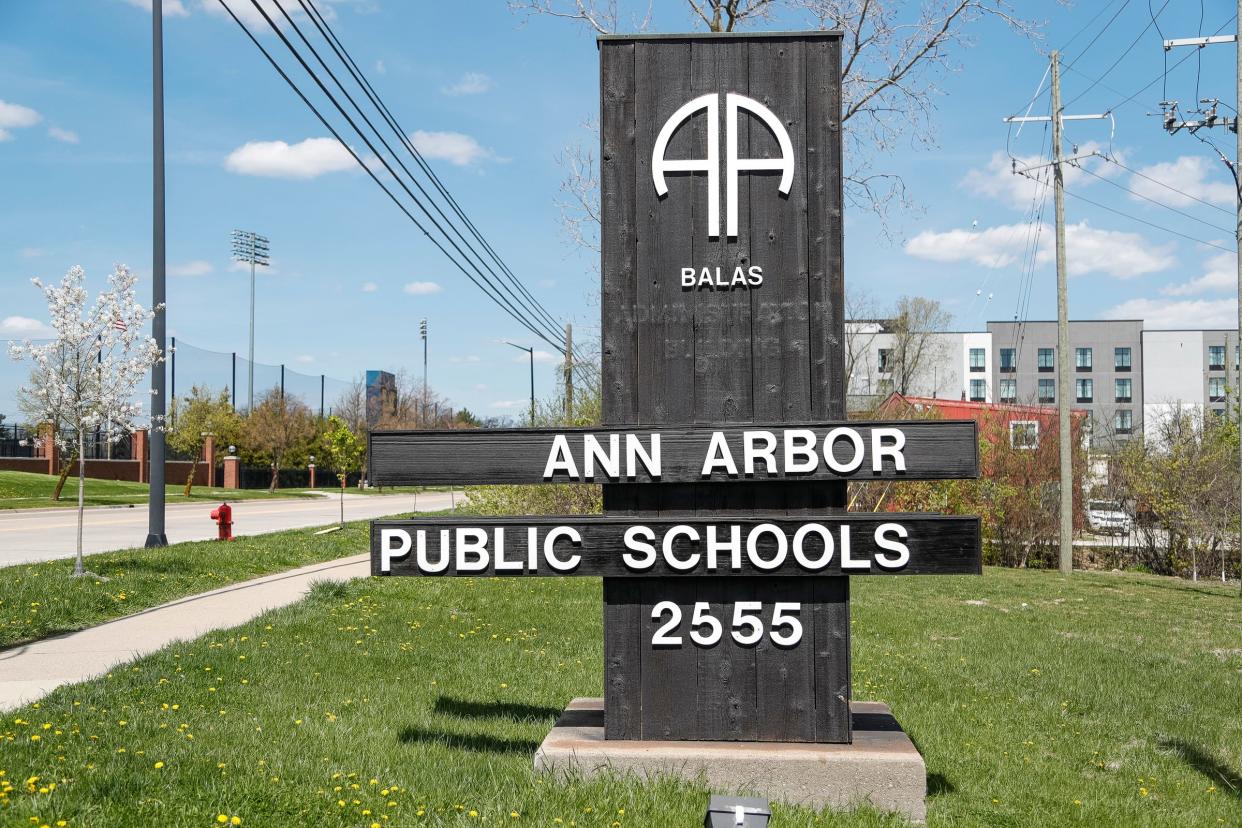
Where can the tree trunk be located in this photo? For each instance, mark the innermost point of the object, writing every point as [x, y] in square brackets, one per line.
[275, 478]
[65, 468]
[189, 481]
[78, 567]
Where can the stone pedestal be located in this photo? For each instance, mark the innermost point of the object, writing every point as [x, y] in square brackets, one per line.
[881, 767]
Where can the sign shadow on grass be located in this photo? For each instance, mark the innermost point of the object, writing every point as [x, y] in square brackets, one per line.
[512, 711]
[1206, 764]
[475, 742]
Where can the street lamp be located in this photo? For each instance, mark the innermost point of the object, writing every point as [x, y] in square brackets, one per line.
[251, 248]
[530, 351]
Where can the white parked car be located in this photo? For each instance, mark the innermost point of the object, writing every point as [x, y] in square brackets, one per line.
[1106, 517]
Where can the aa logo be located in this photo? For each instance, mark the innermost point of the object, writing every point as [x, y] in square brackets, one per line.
[711, 164]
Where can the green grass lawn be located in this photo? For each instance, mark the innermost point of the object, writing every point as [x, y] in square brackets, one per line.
[1099, 700]
[23, 490]
[41, 599]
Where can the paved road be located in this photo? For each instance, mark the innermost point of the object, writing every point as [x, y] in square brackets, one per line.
[41, 535]
[34, 670]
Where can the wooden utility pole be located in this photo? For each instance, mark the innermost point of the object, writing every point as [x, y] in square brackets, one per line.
[569, 372]
[1064, 420]
[1063, 339]
[1173, 123]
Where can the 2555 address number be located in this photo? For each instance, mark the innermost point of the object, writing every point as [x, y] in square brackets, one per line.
[784, 628]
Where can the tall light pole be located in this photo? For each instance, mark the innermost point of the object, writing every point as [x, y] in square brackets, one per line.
[252, 248]
[530, 351]
[155, 497]
[422, 331]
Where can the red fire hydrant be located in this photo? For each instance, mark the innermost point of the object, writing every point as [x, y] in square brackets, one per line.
[223, 516]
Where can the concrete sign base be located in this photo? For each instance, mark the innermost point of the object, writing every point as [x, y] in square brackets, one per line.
[881, 768]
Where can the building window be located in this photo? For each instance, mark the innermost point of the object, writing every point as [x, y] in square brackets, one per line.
[1122, 390]
[978, 390]
[1216, 357]
[1008, 360]
[1123, 421]
[1047, 391]
[1024, 434]
[1219, 412]
[1047, 360]
[884, 367]
[1216, 389]
[978, 359]
[1008, 391]
[1082, 359]
[1085, 389]
[1121, 359]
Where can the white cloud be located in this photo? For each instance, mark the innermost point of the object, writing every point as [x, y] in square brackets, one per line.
[1187, 313]
[249, 15]
[172, 8]
[244, 267]
[1088, 249]
[23, 327]
[16, 116]
[307, 159]
[1190, 174]
[381, 68]
[480, 386]
[369, 287]
[471, 83]
[198, 267]
[30, 252]
[997, 179]
[66, 136]
[509, 403]
[1221, 274]
[305, 359]
[421, 288]
[547, 283]
[453, 147]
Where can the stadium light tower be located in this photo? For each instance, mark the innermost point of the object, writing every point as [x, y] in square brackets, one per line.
[251, 248]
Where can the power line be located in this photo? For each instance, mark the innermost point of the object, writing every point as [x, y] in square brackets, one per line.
[1148, 223]
[292, 85]
[1120, 57]
[425, 194]
[1098, 34]
[344, 56]
[1205, 203]
[1153, 201]
[1163, 75]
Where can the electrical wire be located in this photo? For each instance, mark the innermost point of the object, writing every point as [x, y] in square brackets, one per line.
[517, 298]
[1100, 33]
[1120, 57]
[324, 121]
[1163, 76]
[1153, 201]
[361, 79]
[1132, 171]
[1148, 223]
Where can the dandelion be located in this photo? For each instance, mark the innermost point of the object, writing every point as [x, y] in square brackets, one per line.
[473, 813]
[158, 765]
[222, 818]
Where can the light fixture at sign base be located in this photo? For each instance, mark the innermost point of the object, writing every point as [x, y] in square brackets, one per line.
[737, 812]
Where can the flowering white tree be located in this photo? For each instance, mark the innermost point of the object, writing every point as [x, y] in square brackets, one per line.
[86, 378]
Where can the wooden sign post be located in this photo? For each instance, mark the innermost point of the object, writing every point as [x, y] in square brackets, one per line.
[725, 453]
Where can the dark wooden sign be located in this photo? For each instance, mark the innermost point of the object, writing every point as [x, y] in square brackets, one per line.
[901, 450]
[860, 544]
[725, 550]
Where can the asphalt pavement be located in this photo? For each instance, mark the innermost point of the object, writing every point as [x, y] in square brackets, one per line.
[28, 535]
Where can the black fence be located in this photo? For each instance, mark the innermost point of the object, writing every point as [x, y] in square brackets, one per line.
[16, 441]
[258, 477]
[19, 441]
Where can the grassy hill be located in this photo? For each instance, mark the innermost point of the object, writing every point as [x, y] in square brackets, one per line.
[1098, 700]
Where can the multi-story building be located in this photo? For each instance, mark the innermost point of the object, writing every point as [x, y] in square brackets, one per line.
[1188, 369]
[1108, 374]
[942, 365]
[1123, 376]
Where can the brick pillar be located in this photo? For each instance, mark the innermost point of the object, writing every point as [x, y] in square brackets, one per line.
[47, 447]
[139, 451]
[209, 457]
[232, 472]
[312, 474]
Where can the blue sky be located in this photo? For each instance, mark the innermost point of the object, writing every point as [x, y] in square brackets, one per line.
[497, 97]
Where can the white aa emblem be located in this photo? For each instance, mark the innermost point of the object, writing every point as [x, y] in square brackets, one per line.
[711, 164]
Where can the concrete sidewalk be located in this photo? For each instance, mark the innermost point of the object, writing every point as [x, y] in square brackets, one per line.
[29, 672]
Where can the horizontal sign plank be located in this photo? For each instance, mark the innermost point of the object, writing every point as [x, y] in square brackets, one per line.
[903, 450]
[851, 544]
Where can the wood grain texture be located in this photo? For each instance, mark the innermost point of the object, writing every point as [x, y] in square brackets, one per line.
[934, 449]
[938, 545]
